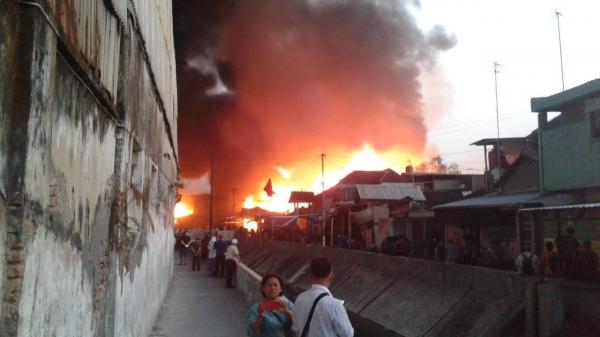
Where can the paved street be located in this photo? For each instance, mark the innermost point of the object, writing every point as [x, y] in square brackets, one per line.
[198, 305]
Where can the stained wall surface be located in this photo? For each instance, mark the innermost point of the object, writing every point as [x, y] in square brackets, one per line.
[88, 166]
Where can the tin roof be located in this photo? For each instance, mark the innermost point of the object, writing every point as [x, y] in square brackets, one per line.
[299, 196]
[390, 191]
[370, 177]
[532, 199]
[561, 207]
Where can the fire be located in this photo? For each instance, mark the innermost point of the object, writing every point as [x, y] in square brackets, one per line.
[181, 210]
[249, 202]
[250, 224]
[336, 167]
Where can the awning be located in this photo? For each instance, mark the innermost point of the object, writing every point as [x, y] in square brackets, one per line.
[517, 201]
[562, 207]
[493, 201]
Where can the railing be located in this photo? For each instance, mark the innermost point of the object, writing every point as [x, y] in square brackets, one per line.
[248, 282]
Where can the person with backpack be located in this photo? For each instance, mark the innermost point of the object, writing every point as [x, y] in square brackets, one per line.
[527, 263]
[316, 312]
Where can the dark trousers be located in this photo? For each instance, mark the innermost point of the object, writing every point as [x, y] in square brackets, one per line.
[219, 265]
[196, 262]
[230, 268]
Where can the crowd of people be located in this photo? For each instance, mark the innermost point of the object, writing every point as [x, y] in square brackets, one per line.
[570, 260]
[222, 256]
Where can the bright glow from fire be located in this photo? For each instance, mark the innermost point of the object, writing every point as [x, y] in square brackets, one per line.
[249, 202]
[250, 224]
[336, 167]
[181, 210]
[287, 174]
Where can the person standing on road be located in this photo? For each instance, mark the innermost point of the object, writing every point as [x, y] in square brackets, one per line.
[195, 249]
[220, 248]
[316, 312]
[212, 253]
[232, 258]
[183, 249]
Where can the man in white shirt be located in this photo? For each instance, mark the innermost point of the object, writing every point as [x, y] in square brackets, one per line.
[232, 258]
[212, 253]
[527, 263]
[330, 318]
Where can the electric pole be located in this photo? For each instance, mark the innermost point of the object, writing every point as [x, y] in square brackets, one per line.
[562, 74]
[498, 157]
[212, 183]
[233, 190]
[323, 193]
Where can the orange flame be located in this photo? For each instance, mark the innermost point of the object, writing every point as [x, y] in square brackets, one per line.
[250, 224]
[182, 210]
[336, 167]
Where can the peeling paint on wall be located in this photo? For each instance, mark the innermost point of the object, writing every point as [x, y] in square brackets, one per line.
[87, 222]
[57, 293]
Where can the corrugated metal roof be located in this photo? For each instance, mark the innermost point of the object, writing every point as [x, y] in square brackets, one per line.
[532, 199]
[390, 191]
[159, 44]
[549, 208]
[300, 196]
[490, 201]
[90, 27]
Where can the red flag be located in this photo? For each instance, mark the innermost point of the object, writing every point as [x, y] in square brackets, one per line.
[269, 188]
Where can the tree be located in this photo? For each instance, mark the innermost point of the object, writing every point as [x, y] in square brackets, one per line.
[437, 165]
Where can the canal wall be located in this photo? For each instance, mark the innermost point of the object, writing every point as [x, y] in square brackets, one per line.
[399, 296]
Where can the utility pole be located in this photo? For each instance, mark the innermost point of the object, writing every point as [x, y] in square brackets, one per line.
[562, 74]
[498, 157]
[233, 190]
[323, 193]
[212, 183]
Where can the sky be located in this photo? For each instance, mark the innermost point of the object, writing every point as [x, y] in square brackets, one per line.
[523, 37]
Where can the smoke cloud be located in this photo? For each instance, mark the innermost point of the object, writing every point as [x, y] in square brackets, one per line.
[263, 83]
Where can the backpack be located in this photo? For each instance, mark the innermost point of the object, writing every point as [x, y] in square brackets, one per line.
[527, 265]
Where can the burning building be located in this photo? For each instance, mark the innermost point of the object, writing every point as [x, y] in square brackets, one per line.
[267, 86]
[88, 166]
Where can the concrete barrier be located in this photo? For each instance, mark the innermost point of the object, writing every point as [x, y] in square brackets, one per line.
[400, 296]
[248, 282]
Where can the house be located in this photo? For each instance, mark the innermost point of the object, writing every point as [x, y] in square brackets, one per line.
[367, 206]
[493, 220]
[510, 149]
[569, 163]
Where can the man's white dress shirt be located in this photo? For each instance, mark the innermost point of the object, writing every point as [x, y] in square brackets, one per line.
[330, 318]
[212, 253]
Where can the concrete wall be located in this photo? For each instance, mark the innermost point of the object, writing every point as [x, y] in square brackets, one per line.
[399, 296]
[88, 168]
[569, 151]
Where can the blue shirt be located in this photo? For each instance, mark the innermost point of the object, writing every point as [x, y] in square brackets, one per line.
[220, 246]
[271, 327]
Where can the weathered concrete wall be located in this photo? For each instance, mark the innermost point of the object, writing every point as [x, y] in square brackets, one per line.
[248, 282]
[88, 168]
[399, 296]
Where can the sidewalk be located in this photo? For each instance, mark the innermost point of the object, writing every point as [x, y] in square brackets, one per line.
[199, 305]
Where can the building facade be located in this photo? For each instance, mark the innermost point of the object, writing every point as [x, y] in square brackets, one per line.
[88, 165]
[570, 162]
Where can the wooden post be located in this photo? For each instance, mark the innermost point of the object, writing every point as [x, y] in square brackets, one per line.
[350, 227]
